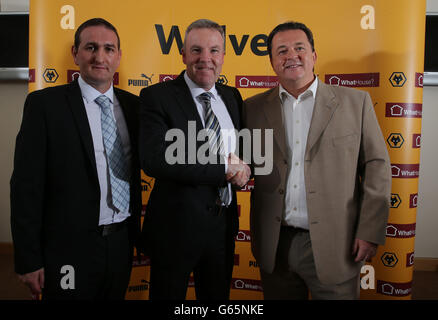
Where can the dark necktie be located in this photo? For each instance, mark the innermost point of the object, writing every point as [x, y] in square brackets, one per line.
[214, 137]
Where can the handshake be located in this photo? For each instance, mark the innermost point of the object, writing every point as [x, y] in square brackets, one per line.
[238, 172]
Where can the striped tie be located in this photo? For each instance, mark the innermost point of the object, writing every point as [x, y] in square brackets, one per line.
[214, 138]
[118, 168]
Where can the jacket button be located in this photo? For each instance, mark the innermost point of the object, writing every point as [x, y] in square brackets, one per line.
[277, 219]
[281, 191]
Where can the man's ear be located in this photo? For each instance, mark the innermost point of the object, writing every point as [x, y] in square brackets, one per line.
[74, 52]
[183, 54]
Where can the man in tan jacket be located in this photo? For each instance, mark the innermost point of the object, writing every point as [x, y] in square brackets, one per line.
[323, 209]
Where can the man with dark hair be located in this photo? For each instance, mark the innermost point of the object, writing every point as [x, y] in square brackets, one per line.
[292, 25]
[191, 217]
[323, 210]
[75, 189]
[94, 22]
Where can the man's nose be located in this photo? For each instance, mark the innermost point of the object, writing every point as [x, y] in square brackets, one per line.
[292, 54]
[99, 54]
[205, 55]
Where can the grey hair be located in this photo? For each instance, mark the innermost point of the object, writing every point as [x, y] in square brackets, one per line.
[204, 24]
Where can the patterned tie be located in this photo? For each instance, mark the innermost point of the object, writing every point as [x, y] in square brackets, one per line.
[118, 168]
[214, 138]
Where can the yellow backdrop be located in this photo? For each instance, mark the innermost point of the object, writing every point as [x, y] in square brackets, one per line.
[377, 46]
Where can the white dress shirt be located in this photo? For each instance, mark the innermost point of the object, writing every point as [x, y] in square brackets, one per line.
[297, 114]
[108, 214]
[220, 110]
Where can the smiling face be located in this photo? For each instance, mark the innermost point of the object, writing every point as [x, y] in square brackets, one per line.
[97, 56]
[293, 59]
[203, 54]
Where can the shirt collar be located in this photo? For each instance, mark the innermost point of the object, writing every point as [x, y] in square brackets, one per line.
[310, 91]
[195, 90]
[90, 94]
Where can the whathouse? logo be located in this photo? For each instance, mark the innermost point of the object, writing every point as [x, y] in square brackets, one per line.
[394, 289]
[72, 75]
[416, 140]
[400, 230]
[401, 170]
[354, 80]
[404, 110]
[256, 81]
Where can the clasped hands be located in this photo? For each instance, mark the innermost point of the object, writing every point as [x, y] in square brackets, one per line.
[238, 172]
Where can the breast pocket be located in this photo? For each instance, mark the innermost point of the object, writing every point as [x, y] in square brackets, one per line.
[346, 140]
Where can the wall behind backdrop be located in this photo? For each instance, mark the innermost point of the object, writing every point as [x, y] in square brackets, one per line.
[364, 49]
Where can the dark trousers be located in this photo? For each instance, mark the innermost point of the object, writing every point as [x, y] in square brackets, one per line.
[212, 265]
[102, 273]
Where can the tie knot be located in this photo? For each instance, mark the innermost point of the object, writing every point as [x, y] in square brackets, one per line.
[103, 101]
[205, 97]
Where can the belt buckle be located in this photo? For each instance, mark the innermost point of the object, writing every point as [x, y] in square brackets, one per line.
[111, 228]
[106, 230]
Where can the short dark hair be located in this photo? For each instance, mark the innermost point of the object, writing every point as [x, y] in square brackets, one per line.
[290, 25]
[92, 23]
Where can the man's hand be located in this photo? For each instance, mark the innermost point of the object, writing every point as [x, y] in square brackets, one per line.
[363, 250]
[35, 282]
[238, 172]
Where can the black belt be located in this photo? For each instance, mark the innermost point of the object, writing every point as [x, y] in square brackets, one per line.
[293, 229]
[108, 229]
[220, 209]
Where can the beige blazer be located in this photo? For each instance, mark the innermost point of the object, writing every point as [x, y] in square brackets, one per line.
[347, 176]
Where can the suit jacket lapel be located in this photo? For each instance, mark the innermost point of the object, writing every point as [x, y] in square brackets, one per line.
[274, 114]
[325, 105]
[185, 101]
[130, 117]
[76, 104]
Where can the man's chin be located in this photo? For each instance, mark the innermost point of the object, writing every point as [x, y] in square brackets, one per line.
[205, 83]
[97, 81]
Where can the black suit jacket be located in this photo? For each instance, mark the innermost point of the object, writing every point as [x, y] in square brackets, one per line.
[55, 190]
[182, 193]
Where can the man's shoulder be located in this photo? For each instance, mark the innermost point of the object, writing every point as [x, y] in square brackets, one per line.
[125, 94]
[222, 86]
[51, 95]
[59, 89]
[341, 90]
[160, 88]
[262, 97]
[228, 90]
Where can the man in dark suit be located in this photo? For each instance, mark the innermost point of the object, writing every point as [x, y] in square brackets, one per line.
[191, 218]
[75, 189]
